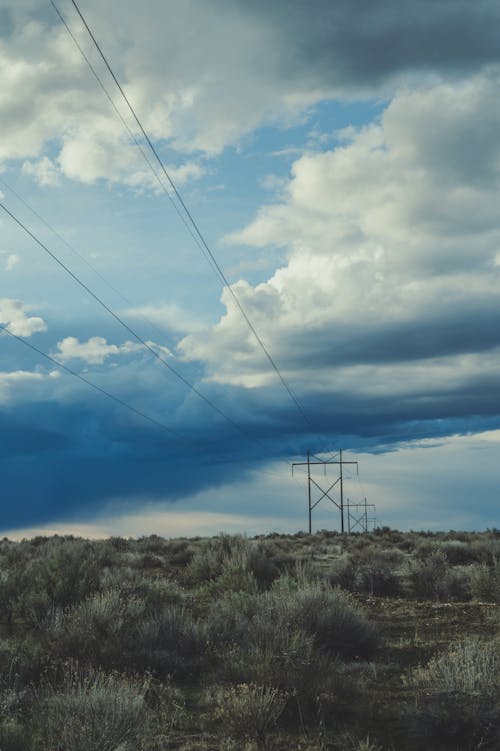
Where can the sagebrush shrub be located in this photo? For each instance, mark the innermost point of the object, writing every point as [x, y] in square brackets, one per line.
[429, 576]
[485, 582]
[237, 561]
[56, 572]
[118, 632]
[333, 620]
[458, 696]
[248, 710]
[171, 643]
[100, 629]
[91, 711]
[373, 573]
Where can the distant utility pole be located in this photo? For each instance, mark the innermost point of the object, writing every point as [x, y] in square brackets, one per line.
[324, 493]
[358, 519]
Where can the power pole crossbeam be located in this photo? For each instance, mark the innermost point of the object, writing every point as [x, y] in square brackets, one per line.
[326, 493]
[355, 520]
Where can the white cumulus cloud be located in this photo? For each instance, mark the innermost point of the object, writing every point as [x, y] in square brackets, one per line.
[96, 349]
[392, 239]
[14, 315]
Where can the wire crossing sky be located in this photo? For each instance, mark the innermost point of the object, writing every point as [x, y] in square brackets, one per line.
[344, 165]
[192, 222]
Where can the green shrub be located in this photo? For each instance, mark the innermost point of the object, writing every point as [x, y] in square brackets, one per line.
[13, 735]
[236, 559]
[429, 576]
[55, 572]
[171, 643]
[101, 629]
[291, 639]
[91, 711]
[373, 573]
[15, 707]
[117, 632]
[485, 582]
[333, 620]
[248, 710]
[458, 697]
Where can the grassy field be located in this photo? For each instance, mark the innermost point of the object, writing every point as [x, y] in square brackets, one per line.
[379, 641]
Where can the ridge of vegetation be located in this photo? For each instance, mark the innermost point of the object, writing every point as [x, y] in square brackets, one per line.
[380, 641]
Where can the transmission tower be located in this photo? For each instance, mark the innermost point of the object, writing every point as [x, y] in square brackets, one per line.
[313, 485]
[358, 520]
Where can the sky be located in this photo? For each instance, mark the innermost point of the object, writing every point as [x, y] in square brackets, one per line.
[342, 163]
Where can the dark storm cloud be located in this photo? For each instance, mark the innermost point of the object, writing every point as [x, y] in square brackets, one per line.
[365, 43]
[471, 327]
[65, 462]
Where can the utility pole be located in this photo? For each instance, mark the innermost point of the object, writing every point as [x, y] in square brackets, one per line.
[341, 495]
[309, 490]
[358, 519]
[324, 493]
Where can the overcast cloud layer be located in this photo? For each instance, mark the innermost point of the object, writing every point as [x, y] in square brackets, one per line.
[382, 312]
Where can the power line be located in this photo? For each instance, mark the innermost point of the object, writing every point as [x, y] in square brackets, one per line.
[79, 255]
[129, 328]
[117, 399]
[125, 124]
[205, 247]
[121, 402]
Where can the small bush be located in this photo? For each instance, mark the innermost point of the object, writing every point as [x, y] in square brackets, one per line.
[118, 632]
[249, 710]
[457, 697]
[13, 735]
[429, 577]
[91, 711]
[171, 643]
[485, 582]
[101, 629]
[373, 573]
[236, 559]
[334, 621]
[291, 639]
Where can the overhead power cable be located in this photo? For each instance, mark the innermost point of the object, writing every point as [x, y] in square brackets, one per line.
[137, 336]
[116, 399]
[126, 326]
[204, 245]
[126, 126]
[121, 402]
[79, 255]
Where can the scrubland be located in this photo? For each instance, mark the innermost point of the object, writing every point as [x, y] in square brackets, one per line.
[370, 642]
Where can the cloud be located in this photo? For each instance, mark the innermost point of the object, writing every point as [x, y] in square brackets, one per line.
[166, 317]
[44, 171]
[11, 260]
[387, 309]
[23, 385]
[245, 65]
[96, 349]
[14, 314]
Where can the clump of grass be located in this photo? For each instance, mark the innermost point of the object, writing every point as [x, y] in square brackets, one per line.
[429, 576]
[91, 711]
[296, 640]
[485, 582]
[248, 710]
[369, 571]
[333, 620]
[121, 633]
[234, 561]
[457, 696]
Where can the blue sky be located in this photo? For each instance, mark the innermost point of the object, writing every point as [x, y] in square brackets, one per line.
[343, 163]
